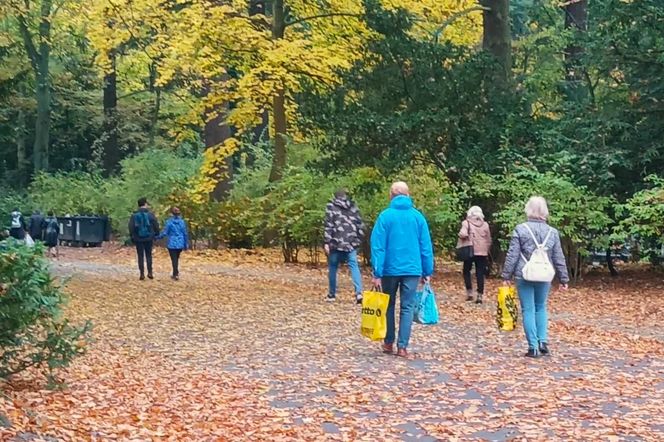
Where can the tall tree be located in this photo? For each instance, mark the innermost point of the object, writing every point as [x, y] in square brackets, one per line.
[497, 37]
[576, 20]
[34, 23]
[111, 154]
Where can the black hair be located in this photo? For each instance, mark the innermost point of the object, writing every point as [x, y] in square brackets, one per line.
[142, 202]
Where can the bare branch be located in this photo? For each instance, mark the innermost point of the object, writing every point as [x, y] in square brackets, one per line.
[452, 18]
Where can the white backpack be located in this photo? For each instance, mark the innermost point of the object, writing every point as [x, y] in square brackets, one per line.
[16, 220]
[538, 268]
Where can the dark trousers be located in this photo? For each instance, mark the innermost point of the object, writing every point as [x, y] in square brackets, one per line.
[144, 251]
[17, 233]
[480, 271]
[175, 260]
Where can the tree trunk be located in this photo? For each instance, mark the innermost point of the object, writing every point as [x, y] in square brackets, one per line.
[279, 101]
[42, 125]
[112, 154]
[21, 158]
[609, 262]
[497, 38]
[216, 132]
[576, 18]
[154, 118]
[39, 56]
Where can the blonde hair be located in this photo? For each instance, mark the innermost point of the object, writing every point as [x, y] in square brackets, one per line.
[536, 208]
[399, 188]
[476, 212]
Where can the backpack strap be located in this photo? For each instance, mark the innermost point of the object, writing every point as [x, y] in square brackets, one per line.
[532, 235]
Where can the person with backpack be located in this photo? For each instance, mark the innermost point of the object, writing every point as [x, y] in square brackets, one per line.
[178, 239]
[534, 258]
[143, 228]
[51, 229]
[475, 233]
[17, 226]
[36, 225]
[344, 231]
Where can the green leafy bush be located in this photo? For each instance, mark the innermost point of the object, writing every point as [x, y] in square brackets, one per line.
[32, 330]
[576, 212]
[643, 218]
[157, 175]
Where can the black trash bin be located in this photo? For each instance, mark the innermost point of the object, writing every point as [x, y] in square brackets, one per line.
[90, 230]
[67, 229]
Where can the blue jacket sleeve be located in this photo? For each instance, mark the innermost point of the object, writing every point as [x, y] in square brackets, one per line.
[186, 236]
[426, 248]
[164, 232]
[378, 246]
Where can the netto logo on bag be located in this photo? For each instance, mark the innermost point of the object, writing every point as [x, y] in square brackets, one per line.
[371, 311]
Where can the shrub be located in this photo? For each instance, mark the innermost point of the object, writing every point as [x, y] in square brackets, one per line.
[32, 330]
[295, 211]
[74, 193]
[153, 174]
[643, 217]
[576, 212]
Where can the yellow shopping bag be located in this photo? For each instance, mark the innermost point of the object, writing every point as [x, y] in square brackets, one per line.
[507, 313]
[374, 319]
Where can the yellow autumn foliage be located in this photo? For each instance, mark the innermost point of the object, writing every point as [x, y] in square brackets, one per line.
[222, 55]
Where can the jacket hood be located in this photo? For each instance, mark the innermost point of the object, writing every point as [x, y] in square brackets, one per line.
[476, 221]
[401, 202]
[177, 220]
[344, 203]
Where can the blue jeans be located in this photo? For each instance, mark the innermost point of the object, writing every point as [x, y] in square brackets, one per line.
[333, 260]
[533, 296]
[407, 286]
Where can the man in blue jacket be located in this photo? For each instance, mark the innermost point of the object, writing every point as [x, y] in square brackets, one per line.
[401, 255]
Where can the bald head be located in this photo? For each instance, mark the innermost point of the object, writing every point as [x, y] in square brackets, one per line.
[399, 188]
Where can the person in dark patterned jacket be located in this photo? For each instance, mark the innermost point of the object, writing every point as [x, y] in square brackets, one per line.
[344, 231]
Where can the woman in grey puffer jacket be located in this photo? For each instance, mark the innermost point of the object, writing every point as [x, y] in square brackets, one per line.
[533, 295]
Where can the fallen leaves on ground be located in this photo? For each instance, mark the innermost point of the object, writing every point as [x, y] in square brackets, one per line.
[245, 348]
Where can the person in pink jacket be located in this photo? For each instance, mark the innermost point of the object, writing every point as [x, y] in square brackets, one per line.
[475, 231]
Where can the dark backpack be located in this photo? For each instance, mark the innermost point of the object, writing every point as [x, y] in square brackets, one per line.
[52, 226]
[142, 226]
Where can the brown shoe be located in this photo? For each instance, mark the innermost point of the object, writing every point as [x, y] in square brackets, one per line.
[403, 353]
[388, 348]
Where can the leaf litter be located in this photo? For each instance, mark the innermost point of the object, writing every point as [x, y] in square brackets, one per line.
[243, 348]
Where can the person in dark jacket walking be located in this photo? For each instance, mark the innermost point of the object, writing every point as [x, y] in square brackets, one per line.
[344, 231]
[401, 257]
[527, 238]
[17, 225]
[36, 226]
[178, 239]
[51, 234]
[143, 228]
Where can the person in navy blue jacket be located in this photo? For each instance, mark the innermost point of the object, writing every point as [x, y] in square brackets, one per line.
[401, 256]
[178, 239]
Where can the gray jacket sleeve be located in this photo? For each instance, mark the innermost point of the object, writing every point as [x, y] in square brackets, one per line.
[513, 257]
[558, 260]
[329, 225]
